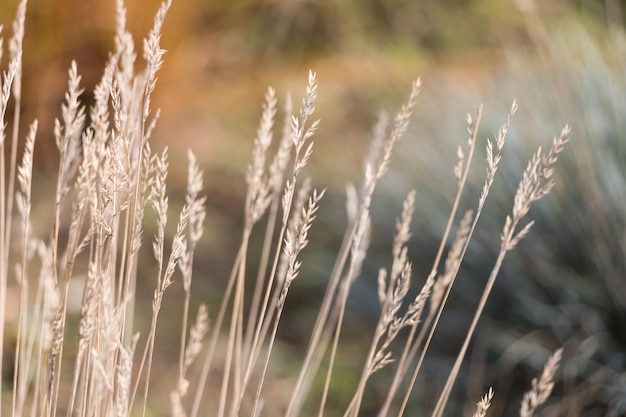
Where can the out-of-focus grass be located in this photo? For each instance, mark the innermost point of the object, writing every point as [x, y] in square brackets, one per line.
[565, 284]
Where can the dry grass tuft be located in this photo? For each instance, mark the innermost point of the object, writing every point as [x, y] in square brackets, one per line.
[109, 175]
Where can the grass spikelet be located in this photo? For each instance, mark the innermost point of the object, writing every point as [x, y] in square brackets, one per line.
[483, 405]
[258, 197]
[542, 387]
[536, 182]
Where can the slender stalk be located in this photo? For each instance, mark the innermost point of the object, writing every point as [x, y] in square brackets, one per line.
[333, 352]
[234, 333]
[493, 164]
[536, 183]
[183, 334]
[255, 408]
[261, 274]
[321, 323]
[208, 360]
[5, 222]
[12, 82]
[411, 343]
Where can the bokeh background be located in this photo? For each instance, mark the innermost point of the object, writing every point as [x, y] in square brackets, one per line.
[563, 61]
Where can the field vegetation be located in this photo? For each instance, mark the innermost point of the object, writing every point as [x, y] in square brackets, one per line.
[433, 281]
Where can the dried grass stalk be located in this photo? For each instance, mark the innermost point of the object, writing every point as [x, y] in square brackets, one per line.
[542, 387]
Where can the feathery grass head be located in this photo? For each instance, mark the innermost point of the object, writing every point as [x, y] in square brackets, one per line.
[541, 387]
[109, 173]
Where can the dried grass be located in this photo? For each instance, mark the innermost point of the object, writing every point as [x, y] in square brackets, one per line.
[108, 175]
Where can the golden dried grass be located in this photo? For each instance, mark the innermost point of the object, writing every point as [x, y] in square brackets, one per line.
[108, 175]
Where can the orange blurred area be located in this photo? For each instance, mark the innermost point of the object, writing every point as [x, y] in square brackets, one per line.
[223, 55]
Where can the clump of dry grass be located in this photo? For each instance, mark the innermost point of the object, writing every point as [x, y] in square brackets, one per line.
[108, 176]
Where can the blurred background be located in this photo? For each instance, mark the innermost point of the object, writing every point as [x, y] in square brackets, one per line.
[563, 61]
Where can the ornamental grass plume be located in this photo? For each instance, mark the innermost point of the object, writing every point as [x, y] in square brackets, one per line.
[109, 176]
